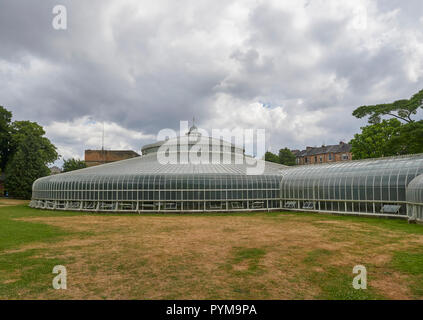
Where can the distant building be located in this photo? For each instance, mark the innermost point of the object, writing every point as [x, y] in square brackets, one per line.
[96, 157]
[324, 154]
[55, 170]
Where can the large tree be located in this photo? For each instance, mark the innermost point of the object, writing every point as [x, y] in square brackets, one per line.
[286, 157]
[268, 156]
[73, 164]
[388, 138]
[5, 118]
[31, 153]
[409, 140]
[401, 134]
[401, 109]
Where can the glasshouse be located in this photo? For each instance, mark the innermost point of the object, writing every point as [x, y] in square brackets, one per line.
[376, 186]
[221, 181]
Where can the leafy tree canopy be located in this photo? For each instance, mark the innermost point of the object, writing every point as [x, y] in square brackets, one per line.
[400, 109]
[409, 140]
[5, 119]
[73, 164]
[31, 153]
[268, 156]
[388, 138]
[286, 157]
[373, 140]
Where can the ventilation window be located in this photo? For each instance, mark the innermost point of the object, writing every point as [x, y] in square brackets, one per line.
[291, 204]
[257, 205]
[170, 206]
[308, 205]
[388, 208]
[236, 205]
[216, 205]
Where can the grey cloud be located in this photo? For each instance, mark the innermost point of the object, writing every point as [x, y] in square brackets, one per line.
[146, 69]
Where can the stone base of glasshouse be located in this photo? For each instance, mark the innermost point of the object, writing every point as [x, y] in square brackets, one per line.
[209, 207]
[391, 187]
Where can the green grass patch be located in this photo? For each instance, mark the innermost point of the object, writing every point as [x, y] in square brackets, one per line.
[250, 257]
[315, 256]
[336, 284]
[411, 263]
[408, 262]
[26, 273]
[244, 272]
[14, 233]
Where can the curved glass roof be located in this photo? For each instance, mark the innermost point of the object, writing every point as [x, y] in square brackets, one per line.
[415, 190]
[193, 139]
[148, 165]
[375, 179]
[404, 164]
[415, 198]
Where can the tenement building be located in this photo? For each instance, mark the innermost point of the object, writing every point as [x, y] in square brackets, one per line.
[97, 157]
[324, 154]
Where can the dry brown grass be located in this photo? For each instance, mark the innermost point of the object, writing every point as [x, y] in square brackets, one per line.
[11, 202]
[206, 257]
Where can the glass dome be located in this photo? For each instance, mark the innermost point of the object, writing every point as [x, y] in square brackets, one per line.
[218, 181]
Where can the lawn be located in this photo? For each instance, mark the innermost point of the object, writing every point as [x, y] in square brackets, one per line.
[276, 255]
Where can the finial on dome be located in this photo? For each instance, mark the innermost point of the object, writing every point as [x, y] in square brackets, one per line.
[193, 130]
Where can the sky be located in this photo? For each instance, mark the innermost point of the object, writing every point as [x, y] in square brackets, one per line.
[294, 68]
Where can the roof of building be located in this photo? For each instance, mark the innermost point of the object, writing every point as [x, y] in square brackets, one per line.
[113, 151]
[149, 163]
[336, 148]
[192, 138]
[99, 156]
[55, 170]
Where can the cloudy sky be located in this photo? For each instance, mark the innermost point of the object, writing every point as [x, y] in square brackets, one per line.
[295, 68]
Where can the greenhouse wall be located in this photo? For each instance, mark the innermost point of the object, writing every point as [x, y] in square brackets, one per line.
[366, 187]
[160, 193]
[415, 199]
[380, 187]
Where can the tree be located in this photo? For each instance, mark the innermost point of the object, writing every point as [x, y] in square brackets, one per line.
[31, 153]
[376, 140]
[5, 118]
[73, 164]
[399, 135]
[409, 140]
[268, 156]
[286, 157]
[400, 109]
